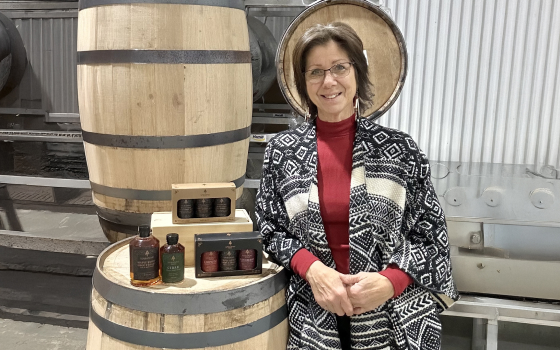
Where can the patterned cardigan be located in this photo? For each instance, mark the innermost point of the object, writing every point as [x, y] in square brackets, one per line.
[395, 217]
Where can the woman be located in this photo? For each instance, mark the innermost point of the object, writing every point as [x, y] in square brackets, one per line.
[348, 206]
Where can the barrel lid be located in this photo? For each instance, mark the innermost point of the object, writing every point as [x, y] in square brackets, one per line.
[383, 44]
[111, 279]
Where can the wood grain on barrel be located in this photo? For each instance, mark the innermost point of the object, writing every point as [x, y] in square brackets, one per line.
[162, 27]
[162, 99]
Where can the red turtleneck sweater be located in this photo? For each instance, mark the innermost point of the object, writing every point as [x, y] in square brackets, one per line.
[335, 143]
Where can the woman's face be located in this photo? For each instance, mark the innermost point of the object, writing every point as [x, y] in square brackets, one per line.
[333, 97]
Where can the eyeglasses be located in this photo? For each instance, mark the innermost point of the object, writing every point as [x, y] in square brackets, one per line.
[339, 70]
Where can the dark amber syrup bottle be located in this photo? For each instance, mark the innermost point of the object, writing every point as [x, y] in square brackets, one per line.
[144, 259]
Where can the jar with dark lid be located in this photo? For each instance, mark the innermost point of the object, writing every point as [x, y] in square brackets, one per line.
[204, 207]
[222, 207]
[209, 261]
[185, 208]
[228, 260]
[247, 259]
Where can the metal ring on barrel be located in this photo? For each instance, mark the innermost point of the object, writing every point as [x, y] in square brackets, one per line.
[234, 4]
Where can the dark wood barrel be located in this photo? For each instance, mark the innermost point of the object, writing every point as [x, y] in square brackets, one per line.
[238, 312]
[165, 96]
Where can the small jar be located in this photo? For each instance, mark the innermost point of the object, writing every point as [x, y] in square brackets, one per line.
[222, 207]
[247, 259]
[209, 261]
[185, 208]
[228, 260]
[204, 208]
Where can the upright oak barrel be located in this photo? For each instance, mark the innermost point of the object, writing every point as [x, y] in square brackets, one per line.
[238, 312]
[165, 96]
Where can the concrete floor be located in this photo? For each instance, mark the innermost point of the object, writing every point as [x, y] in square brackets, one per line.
[18, 335]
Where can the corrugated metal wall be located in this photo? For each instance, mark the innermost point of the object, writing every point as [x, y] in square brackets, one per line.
[49, 36]
[483, 82]
[484, 79]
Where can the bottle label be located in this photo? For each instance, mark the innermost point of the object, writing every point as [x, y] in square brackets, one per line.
[145, 263]
[172, 269]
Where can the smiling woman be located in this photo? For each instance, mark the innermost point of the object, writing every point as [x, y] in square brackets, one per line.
[336, 49]
[333, 95]
[347, 204]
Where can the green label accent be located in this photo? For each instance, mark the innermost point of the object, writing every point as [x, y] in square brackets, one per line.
[173, 267]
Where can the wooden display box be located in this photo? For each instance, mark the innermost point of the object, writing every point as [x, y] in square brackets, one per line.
[189, 196]
[232, 244]
[162, 224]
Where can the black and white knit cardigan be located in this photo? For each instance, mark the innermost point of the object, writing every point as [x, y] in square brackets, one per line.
[395, 217]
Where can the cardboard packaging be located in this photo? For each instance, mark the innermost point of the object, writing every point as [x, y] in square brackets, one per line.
[162, 224]
[203, 202]
[229, 246]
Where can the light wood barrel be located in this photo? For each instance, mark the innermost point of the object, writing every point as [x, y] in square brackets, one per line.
[384, 47]
[165, 96]
[238, 312]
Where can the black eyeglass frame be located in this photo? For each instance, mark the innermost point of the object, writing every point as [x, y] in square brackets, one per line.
[325, 70]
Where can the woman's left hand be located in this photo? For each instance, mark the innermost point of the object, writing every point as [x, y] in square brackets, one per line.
[367, 290]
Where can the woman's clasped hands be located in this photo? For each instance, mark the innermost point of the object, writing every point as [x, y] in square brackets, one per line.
[348, 294]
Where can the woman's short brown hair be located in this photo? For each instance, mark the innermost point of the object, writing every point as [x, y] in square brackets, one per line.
[349, 41]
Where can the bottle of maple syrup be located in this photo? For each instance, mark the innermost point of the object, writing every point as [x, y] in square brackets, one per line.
[144, 259]
[172, 260]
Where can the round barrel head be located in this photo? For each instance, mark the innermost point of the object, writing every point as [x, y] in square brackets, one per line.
[384, 48]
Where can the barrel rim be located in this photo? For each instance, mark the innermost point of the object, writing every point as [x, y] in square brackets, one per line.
[233, 4]
[288, 95]
[200, 303]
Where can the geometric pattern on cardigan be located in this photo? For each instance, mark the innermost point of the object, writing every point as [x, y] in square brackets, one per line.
[395, 218]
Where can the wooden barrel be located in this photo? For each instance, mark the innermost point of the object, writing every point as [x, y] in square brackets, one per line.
[165, 96]
[384, 48]
[238, 312]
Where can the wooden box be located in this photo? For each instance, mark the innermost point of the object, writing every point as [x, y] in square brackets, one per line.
[191, 195]
[162, 224]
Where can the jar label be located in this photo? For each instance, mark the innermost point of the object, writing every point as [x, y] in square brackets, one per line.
[222, 207]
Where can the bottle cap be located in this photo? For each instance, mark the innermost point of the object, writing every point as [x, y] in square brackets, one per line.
[172, 238]
[144, 231]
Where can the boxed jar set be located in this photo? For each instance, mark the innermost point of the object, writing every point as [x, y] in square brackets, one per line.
[228, 254]
[203, 202]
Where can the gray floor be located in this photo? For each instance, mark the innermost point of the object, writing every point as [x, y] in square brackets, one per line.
[18, 335]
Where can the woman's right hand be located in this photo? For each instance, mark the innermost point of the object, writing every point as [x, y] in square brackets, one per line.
[328, 289]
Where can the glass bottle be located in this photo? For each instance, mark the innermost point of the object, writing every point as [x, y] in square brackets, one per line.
[144, 258]
[172, 260]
